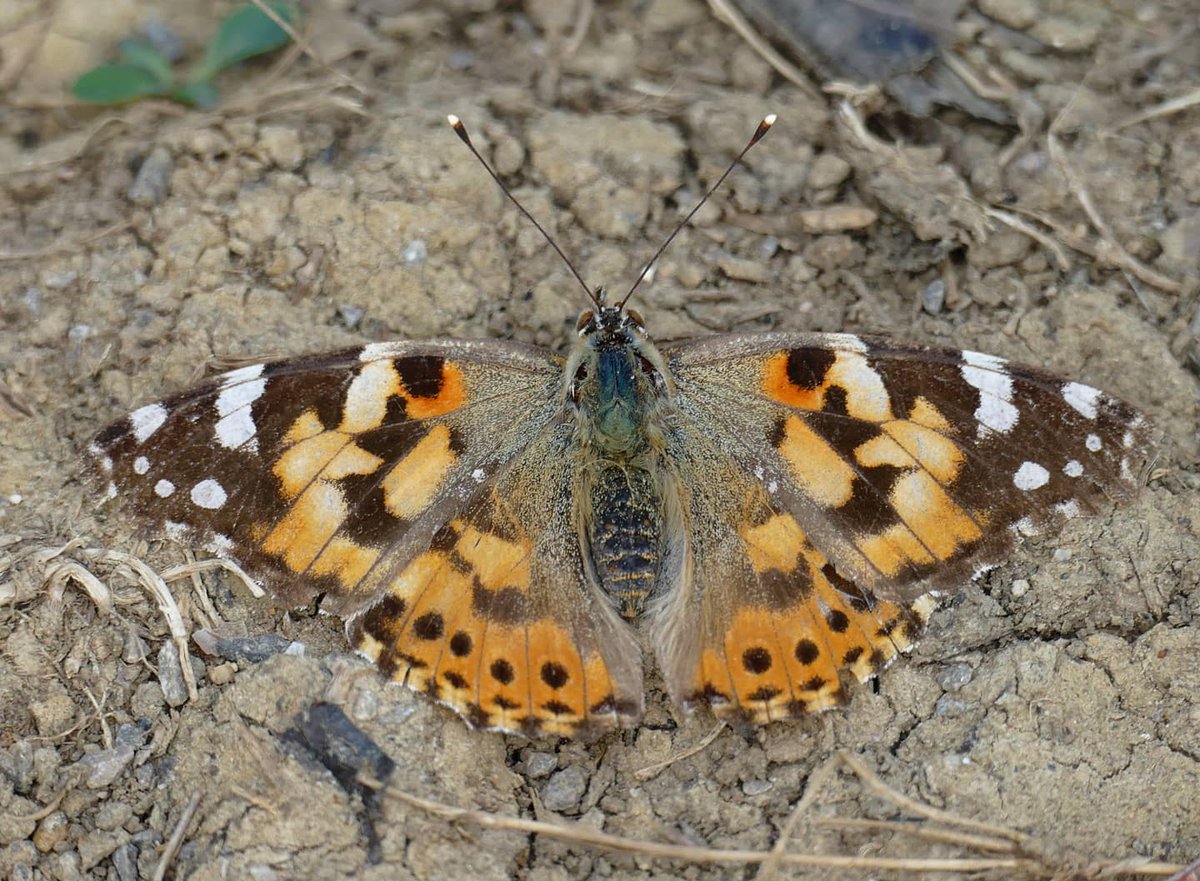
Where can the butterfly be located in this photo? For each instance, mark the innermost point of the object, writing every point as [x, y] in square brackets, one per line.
[510, 531]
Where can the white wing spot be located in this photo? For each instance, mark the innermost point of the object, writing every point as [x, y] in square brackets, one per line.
[235, 425]
[209, 494]
[847, 341]
[1069, 508]
[242, 374]
[376, 351]
[164, 489]
[220, 544]
[995, 411]
[175, 531]
[478, 475]
[987, 362]
[146, 420]
[1083, 398]
[1073, 469]
[1030, 475]
[1025, 526]
[1093, 443]
[141, 465]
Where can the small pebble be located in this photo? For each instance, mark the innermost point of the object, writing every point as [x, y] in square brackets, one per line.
[744, 270]
[933, 296]
[350, 314]
[949, 706]
[170, 675]
[282, 145]
[222, 674]
[124, 860]
[752, 788]
[540, 764]
[952, 677]
[1061, 555]
[828, 170]
[564, 791]
[1020, 587]
[153, 181]
[837, 218]
[415, 252]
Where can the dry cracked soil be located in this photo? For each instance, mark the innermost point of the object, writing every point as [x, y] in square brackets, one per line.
[324, 205]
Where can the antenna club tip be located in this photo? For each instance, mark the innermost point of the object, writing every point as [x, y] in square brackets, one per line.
[769, 120]
[454, 121]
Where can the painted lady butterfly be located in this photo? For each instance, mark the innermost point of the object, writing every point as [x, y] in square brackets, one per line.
[772, 510]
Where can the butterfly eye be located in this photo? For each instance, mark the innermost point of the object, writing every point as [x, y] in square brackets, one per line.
[584, 320]
[636, 317]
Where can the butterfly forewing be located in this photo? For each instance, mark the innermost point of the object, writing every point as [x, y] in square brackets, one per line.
[321, 474]
[911, 468]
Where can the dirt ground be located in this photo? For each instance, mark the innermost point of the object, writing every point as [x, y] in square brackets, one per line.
[1059, 695]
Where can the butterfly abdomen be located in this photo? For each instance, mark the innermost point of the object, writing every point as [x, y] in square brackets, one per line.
[625, 535]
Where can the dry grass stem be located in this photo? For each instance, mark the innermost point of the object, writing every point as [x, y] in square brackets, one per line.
[725, 12]
[1166, 108]
[650, 771]
[1027, 866]
[57, 575]
[875, 784]
[1113, 250]
[64, 247]
[581, 835]
[177, 836]
[308, 50]
[1061, 260]
[816, 783]
[153, 583]
[186, 570]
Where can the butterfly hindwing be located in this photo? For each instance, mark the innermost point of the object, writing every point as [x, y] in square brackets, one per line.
[497, 617]
[759, 626]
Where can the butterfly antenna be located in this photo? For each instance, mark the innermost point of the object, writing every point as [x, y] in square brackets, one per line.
[461, 131]
[763, 128]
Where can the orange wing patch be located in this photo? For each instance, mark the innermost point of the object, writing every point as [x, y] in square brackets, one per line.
[871, 460]
[315, 459]
[459, 624]
[804, 378]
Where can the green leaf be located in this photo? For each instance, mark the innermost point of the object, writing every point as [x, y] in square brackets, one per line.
[244, 33]
[141, 54]
[117, 83]
[199, 93]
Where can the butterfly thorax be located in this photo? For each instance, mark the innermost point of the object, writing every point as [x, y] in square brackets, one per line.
[620, 392]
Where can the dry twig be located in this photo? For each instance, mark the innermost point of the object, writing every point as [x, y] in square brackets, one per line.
[176, 839]
[1111, 248]
[650, 771]
[1015, 853]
